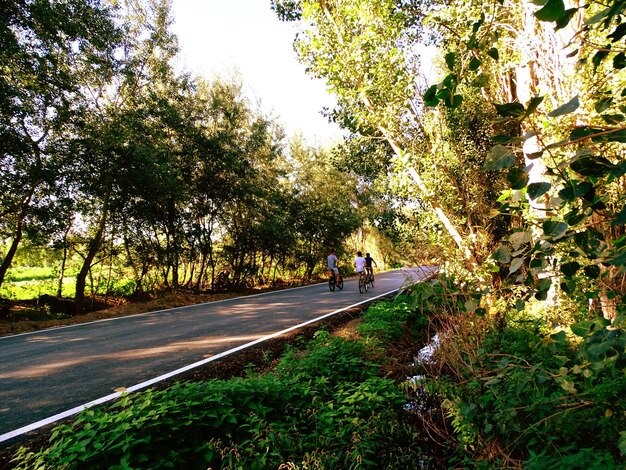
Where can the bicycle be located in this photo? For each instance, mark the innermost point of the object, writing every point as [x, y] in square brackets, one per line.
[332, 283]
[362, 283]
[369, 279]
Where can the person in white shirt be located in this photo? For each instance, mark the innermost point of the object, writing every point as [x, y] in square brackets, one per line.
[359, 263]
[331, 262]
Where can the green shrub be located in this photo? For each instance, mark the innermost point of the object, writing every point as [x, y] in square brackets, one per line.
[323, 407]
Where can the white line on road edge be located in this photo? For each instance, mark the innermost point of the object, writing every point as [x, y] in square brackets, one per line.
[160, 378]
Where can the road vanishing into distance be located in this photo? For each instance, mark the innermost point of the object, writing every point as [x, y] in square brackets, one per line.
[50, 374]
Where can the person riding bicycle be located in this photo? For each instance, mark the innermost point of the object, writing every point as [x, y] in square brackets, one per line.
[359, 263]
[368, 264]
[331, 262]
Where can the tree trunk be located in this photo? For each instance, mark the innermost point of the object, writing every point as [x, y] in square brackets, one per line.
[17, 236]
[94, 246]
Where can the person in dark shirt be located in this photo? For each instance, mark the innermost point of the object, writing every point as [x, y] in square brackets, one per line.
[368, 264]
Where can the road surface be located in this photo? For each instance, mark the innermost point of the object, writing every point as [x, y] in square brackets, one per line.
[46, 373]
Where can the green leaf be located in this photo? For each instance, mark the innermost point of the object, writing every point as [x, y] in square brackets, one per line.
[592, 166]
[619, 61]
[499, 157]
[569, 269]
[449, 58]
[537, 189]
[509, 109]
[620, 217]
[618, 33]
[430, 97]
[493, 53]
[563, 21]
[516, 264]
[578, 189]
[569, 107]
[554, 228]
[456, 101]
[517, 177]
[599, 56]
[532, 105]
[613, 119]
[480, 81]
[502, 255]
[581, 328]
[592, 271]
[552, 11]
[474, 64]
[517, 239]
[603, 104]
[618, 260]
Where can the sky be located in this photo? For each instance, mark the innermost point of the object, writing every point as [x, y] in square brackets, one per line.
[222, 37]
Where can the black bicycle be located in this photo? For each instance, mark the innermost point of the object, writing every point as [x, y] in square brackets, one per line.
[369, 279]
[362, 283]
[332, 282]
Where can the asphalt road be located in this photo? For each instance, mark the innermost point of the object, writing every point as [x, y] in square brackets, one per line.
[49, 372]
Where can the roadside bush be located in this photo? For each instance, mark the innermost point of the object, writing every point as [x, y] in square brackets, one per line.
[528, 396]
[323, 407]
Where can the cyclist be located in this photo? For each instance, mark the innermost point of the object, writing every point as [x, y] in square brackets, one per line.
[359, 263]
[331, 262]
[368, 264]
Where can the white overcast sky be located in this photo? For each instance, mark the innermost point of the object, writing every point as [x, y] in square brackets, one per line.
[220, 36]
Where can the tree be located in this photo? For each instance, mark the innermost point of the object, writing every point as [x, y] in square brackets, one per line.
[49, 49]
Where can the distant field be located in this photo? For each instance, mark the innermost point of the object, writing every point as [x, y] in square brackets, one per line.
[25, 283]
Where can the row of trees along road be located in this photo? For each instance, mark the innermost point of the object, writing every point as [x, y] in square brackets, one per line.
[111, 154]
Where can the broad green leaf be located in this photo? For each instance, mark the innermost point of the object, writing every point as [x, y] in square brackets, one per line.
[564, 20]
[502, 255]
[517, 239]
[574, 217]
[619, 61]
[569, 107]
[591, 166]
[517, 177]
[519, 305]
[480, 81]
[603, 104]
[493, 53]
[499, 157]
[537, 189]
[578, 189]
[430, 97]
[613, 119]
[554, 228]
[618, 33]
[599, 56]
[471, 305]
[474, 64]
[532, 105]
[569, 269]
[449, 58]
[510, 109]
[516, 264]
[551, 11]
[592, 271]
